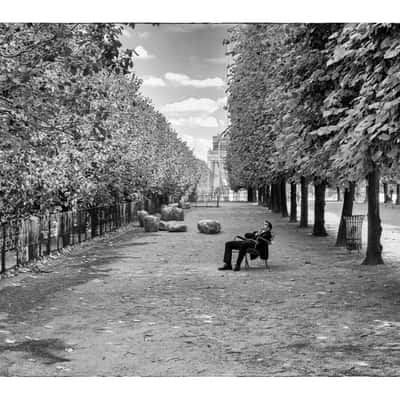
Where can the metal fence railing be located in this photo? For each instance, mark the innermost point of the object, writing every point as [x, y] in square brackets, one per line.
[24, 240]
[207, 200]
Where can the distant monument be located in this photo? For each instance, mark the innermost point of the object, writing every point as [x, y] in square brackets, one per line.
[218, 180]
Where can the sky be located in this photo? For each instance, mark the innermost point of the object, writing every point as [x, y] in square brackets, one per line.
[183, 68]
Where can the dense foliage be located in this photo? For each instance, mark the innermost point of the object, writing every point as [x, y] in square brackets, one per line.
[318, 102]
[313, 100]
[75, 128]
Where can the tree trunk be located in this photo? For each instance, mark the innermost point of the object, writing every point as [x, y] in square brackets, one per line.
[284, 210]
[278, 197]
[263, 195]
[347, 211]
[304, 203]
[338, 194]
[374, 247]
[398, 194]
[386, 197]
[276, 208]
[319, 210]
[366, 194]
[93, 221]
[250, 195]
[293, 202]
[159, 203]
[268, 196]
[273, 197]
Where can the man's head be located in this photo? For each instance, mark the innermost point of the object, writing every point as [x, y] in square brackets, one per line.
[267, 225]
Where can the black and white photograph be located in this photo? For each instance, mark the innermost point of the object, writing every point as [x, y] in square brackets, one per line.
[213, 198]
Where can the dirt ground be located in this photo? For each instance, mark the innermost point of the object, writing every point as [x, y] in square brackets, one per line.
[154, 304]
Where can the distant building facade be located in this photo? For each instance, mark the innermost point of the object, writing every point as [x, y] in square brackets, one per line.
[218, 179]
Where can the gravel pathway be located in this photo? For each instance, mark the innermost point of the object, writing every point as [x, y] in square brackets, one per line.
[154, 304]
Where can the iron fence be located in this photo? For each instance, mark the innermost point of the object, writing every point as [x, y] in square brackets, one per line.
[207, 200]
[217, 199]
[24, 240]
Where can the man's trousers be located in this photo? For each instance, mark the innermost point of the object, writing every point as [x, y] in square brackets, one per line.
[241, 245]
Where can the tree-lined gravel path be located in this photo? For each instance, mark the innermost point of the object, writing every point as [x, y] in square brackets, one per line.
[154, 304]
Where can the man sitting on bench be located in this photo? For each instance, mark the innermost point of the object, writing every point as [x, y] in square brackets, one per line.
[258, 240]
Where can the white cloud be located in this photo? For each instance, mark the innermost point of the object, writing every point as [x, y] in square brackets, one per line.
[202, 121]
[153, 81]
[203, 105]
[143, 53]
[200, 146]
[222, 101]
[184, 80]
[144, 35]
[222, 123]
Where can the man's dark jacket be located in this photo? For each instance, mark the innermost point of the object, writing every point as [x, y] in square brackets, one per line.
[261, 245]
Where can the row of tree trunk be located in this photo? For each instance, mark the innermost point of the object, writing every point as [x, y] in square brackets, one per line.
[274, 197]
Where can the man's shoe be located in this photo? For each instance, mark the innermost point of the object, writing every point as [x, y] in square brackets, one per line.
[237, 268]
[225, 267]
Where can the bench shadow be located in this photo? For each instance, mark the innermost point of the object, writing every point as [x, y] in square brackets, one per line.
[273, 267]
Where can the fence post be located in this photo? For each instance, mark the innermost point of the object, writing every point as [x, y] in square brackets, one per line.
[93, 222]
[3, 249]
[37, 238]
[67, 227]
[30, 239]
[72, 227]
[60, 225]
[40, 235]
[101, 220]
[49, 236]
[85, 221]
[17, 256]
[32, 225]
[79, 225]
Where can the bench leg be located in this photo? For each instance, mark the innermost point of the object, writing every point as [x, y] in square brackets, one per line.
[246, 262]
